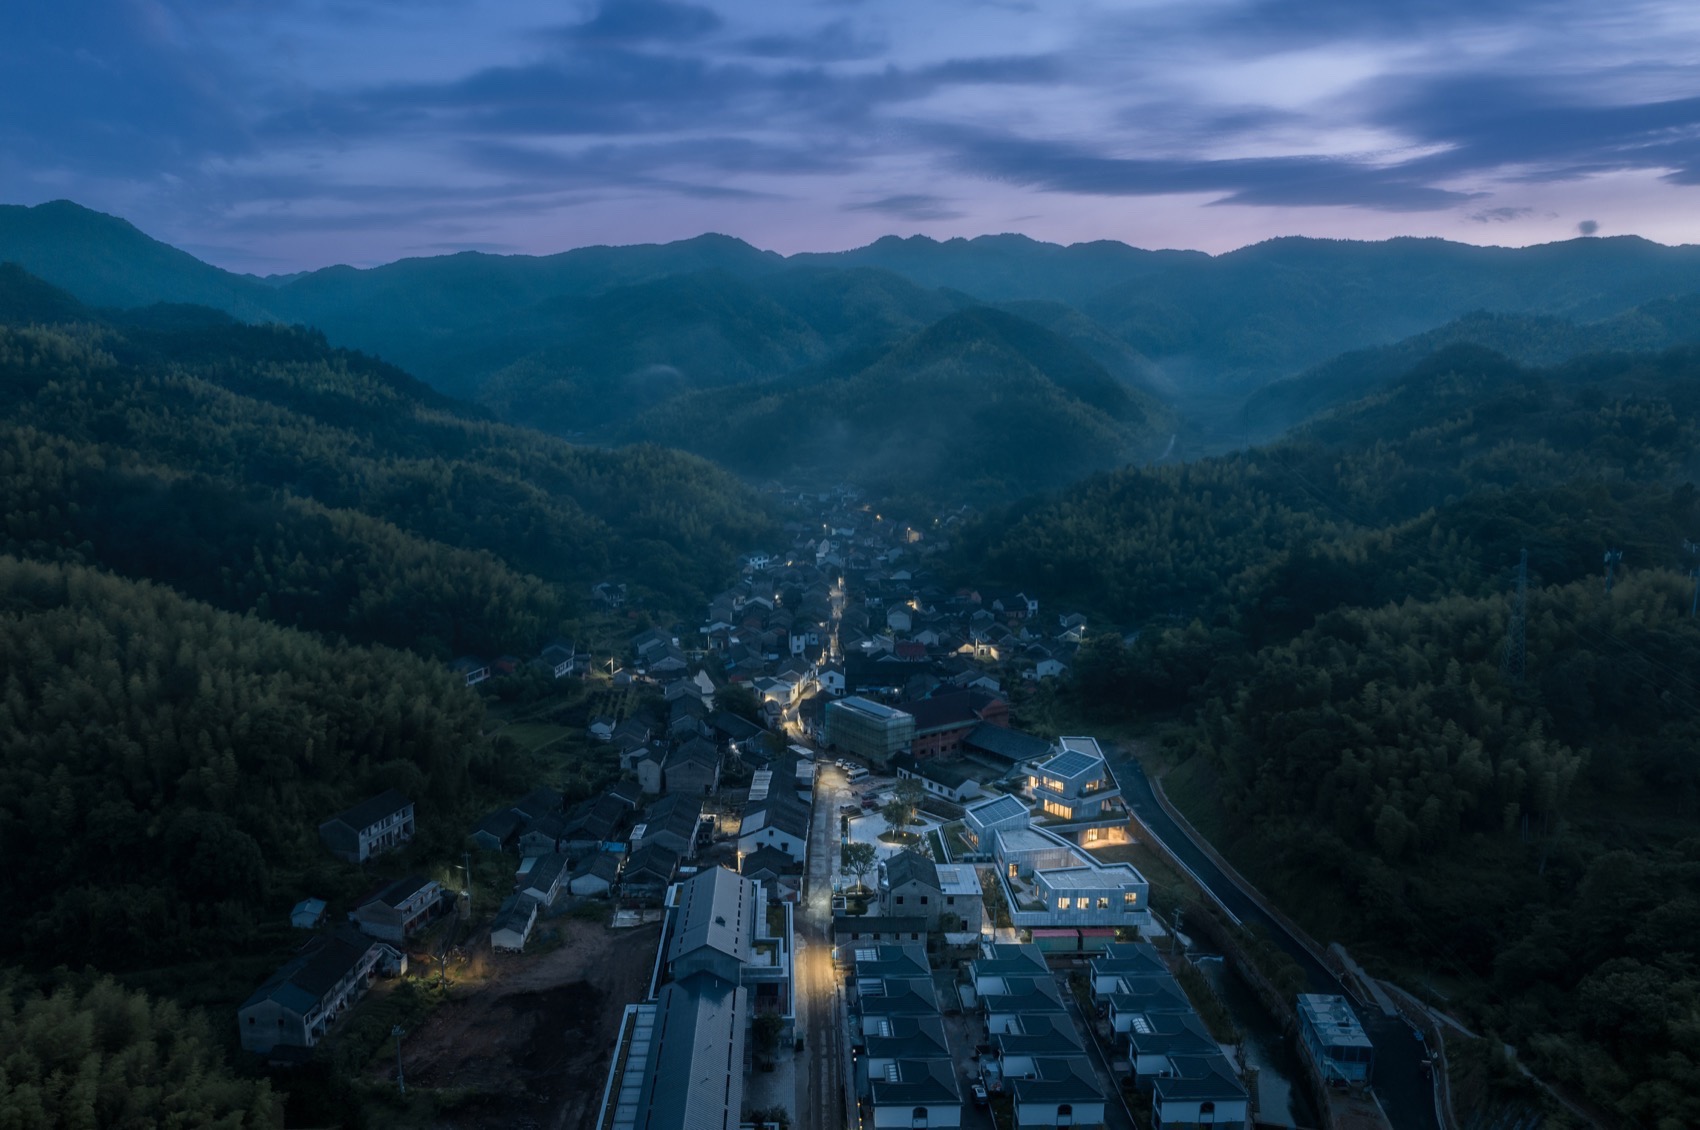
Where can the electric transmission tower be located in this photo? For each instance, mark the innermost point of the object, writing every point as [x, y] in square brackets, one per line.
[1613, 556]
[1516, 659]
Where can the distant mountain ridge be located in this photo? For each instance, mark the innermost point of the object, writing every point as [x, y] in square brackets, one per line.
[587, 341]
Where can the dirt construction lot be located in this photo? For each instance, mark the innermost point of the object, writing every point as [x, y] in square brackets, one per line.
[526, 1037]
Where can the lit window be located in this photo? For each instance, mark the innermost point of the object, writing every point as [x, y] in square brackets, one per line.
[1131, 898]
[1103, 902]
[1063, 904]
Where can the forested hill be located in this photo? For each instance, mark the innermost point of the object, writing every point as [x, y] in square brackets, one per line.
[979, 405]
[1532, 339]
[1324, 622]
[261, 470]
[585, 341]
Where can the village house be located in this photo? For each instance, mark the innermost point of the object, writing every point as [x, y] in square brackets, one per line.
[693, 768]
[908, 884]
[370, 828]
[512, 927]
[299, 1003]
[396, 911]
[596, 875]
[543, 880]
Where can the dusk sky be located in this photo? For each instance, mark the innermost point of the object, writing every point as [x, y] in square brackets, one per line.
[276, 135]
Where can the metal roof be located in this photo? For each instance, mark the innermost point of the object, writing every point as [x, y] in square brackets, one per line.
[699, 1031]
[1333, 1020]
[716, 909]
[1060, 1079]
[1070, 763]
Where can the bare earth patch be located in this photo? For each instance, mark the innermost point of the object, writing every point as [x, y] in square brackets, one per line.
[526, 1038]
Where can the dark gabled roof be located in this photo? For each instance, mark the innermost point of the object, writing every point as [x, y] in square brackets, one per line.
[733, 727]
[1011, 959]
[1042, 1034]
[916, 1082]
[878, 924]
[1171, 1033]
[1003, 742]
[545, 872]
[896, 996]
[1140, 993]
[908, 1037]
[665, 806]
[1062, 1079]
[695, 752]
[911, 867]
[1198, 1078]
[321, 965]
[716, 910]
[1026, 994]
[516, 913]
[501, 824]
[554, 826]
[395, 893]
[768, 859]
[369, 812]
[781, 807]
[1129, 959]
[699, 1031]
[603, 864]
[652, 861]
[537, 802]
[889, 959]
[954, 710]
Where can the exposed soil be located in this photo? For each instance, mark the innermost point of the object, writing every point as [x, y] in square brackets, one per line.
[527, 1038]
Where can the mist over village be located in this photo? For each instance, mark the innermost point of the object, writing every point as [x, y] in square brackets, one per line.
[694, 565]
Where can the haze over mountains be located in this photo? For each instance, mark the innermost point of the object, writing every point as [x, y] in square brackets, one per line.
[847, 359]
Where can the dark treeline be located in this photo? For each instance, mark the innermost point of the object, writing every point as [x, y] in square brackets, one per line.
[1323, 626]
[167, 764]
[232, 561]
[257, 468]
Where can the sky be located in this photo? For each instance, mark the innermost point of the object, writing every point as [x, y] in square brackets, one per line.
[282, 135]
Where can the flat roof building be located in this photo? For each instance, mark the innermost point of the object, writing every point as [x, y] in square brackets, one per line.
[1330, 1032]
[868, 729]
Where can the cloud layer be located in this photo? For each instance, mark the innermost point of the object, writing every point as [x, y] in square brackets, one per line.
[306, 131]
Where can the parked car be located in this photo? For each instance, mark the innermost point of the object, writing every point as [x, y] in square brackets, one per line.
[979, 1094]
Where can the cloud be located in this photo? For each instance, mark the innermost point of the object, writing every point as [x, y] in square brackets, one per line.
[1287, 181]
[835, 42]
[908, 206]
[1501, 215]
[639, 21]
[1587, 227]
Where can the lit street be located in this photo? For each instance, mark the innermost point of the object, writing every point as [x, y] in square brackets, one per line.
[820, 1086]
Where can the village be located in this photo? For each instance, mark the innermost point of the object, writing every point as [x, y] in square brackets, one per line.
[865, 898]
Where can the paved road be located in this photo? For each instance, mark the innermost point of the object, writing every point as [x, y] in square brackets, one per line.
[820, 1070]
[1405, 1092]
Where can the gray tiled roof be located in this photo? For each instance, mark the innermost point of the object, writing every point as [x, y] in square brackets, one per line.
[1062, 1079]
[716, 909]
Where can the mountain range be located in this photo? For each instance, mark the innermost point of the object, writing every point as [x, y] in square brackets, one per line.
[742, 354]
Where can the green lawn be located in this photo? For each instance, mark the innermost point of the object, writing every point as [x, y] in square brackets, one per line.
[533, 736]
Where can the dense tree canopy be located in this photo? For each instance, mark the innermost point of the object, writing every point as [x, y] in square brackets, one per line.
[1323, 622]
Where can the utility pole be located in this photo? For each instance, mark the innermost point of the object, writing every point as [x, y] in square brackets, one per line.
[1515, 662]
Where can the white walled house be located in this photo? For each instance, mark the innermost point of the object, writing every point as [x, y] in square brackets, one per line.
[299, 1003]
[370, 828]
